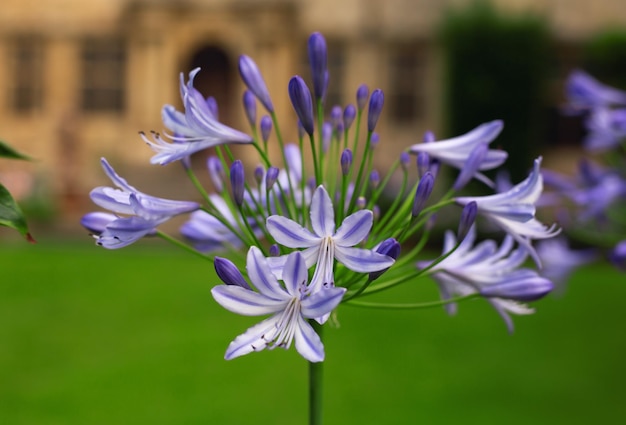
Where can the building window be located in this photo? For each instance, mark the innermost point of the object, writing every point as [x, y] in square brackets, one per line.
[103, 75]
[26, 70]
[406, 72]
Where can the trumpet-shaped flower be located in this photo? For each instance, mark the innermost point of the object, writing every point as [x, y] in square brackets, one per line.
[457, 150]
[560, 261]
[514, 211]
[607, 128]
[146, 212]
[192, 131]
[488, 270]
[324, 244]
[290, 305]
[584, 91]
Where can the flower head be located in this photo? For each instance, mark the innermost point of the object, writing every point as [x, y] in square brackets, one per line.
[488, 270]
[289, 304]
[584, 91]
[514, 211]
[324, 244]
[457, 150]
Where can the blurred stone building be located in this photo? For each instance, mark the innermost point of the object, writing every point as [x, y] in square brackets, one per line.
[79, 79]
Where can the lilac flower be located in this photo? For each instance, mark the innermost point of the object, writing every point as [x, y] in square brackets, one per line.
[146, 212]
[457, 150]
[618, 256]
[302, 103]
[290, 305]
[253, 79]
[195, 130]
[324, 244]
[317, 59]
[559, 260]
[514, 211]
[377, 101]
[584, 91]
[489, 270]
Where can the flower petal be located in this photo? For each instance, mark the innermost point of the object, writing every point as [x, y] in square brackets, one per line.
[322, 302]
[354, 228]
[295, 274]
[289, 233]
[362, 260]
[244, 301]
[308, 343]
[322, 213]
[252, 339]
[262, 277]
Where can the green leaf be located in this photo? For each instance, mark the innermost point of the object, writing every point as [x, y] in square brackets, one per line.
[7, 151]
[11, 215]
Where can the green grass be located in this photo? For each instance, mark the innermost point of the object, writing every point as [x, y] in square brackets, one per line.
[91, 337]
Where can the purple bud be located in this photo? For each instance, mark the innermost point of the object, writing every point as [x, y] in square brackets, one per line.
[253, 79]
[348, 116]
[317, 59]
[335, 115]
[429, 137]
[423, 163]
[311, 184]
[618, 255]
[301, 100]
[529, 288]
[375, 108]
[266, 127]
[361, 202]
[237, 181]
[211, 103]
[259, 172]
[389, 247]
[471, 166]
[346, 161]
[376, 212]
[301, 131]
[374, 179]
[229, 273]
[405, 159]
[422, 193]
[274, 250]
[468, 217]
[327, 135]
[95, 222]
[249, 104]
[271, 177]
[216, 172]
[374, 140]
[362, 93]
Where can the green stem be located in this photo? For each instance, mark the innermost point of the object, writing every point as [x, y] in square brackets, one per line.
[411, 306]
[315, 384]
[183, 245]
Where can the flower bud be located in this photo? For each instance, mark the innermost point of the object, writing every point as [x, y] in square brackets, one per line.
[429, 137]
[405, 159]
[259, 172]
[229, 273]
[348, 116]
[374, 179]
[618, 255]
[375, 108]
[374, 140]
[253, 79]
[249, 105]
[237, 181]
[336, 115]
[422, 193]
[266, 128]
[362, 93]
[327, 135]
[274, 250]
[361, 202]
[389, 247]
[468, 217]
[317, 59]
[271, 177]
[216, 172]
[303, 105]
[423, 163]
[346, 161]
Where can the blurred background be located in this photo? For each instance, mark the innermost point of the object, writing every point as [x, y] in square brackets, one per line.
[92, 337]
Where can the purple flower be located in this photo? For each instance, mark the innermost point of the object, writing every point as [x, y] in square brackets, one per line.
[456, 151]
[303, 105]
[489, 270]
[607, 128]
[618, 255]
[559, 260]
[195, 130]
[253, 79]
[377, 101]
[146, 212]
[289, 304]
[514, 211]
[317, 59]
[324, 244]
[584, 91]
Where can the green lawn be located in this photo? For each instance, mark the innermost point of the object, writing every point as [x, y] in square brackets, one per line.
[92, 337]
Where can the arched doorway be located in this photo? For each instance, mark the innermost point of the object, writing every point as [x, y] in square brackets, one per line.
[215, 78]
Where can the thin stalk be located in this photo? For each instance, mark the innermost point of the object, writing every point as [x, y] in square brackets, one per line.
[316, 375]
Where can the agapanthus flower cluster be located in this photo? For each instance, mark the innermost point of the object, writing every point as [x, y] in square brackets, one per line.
[592, 202]
[320, 224]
